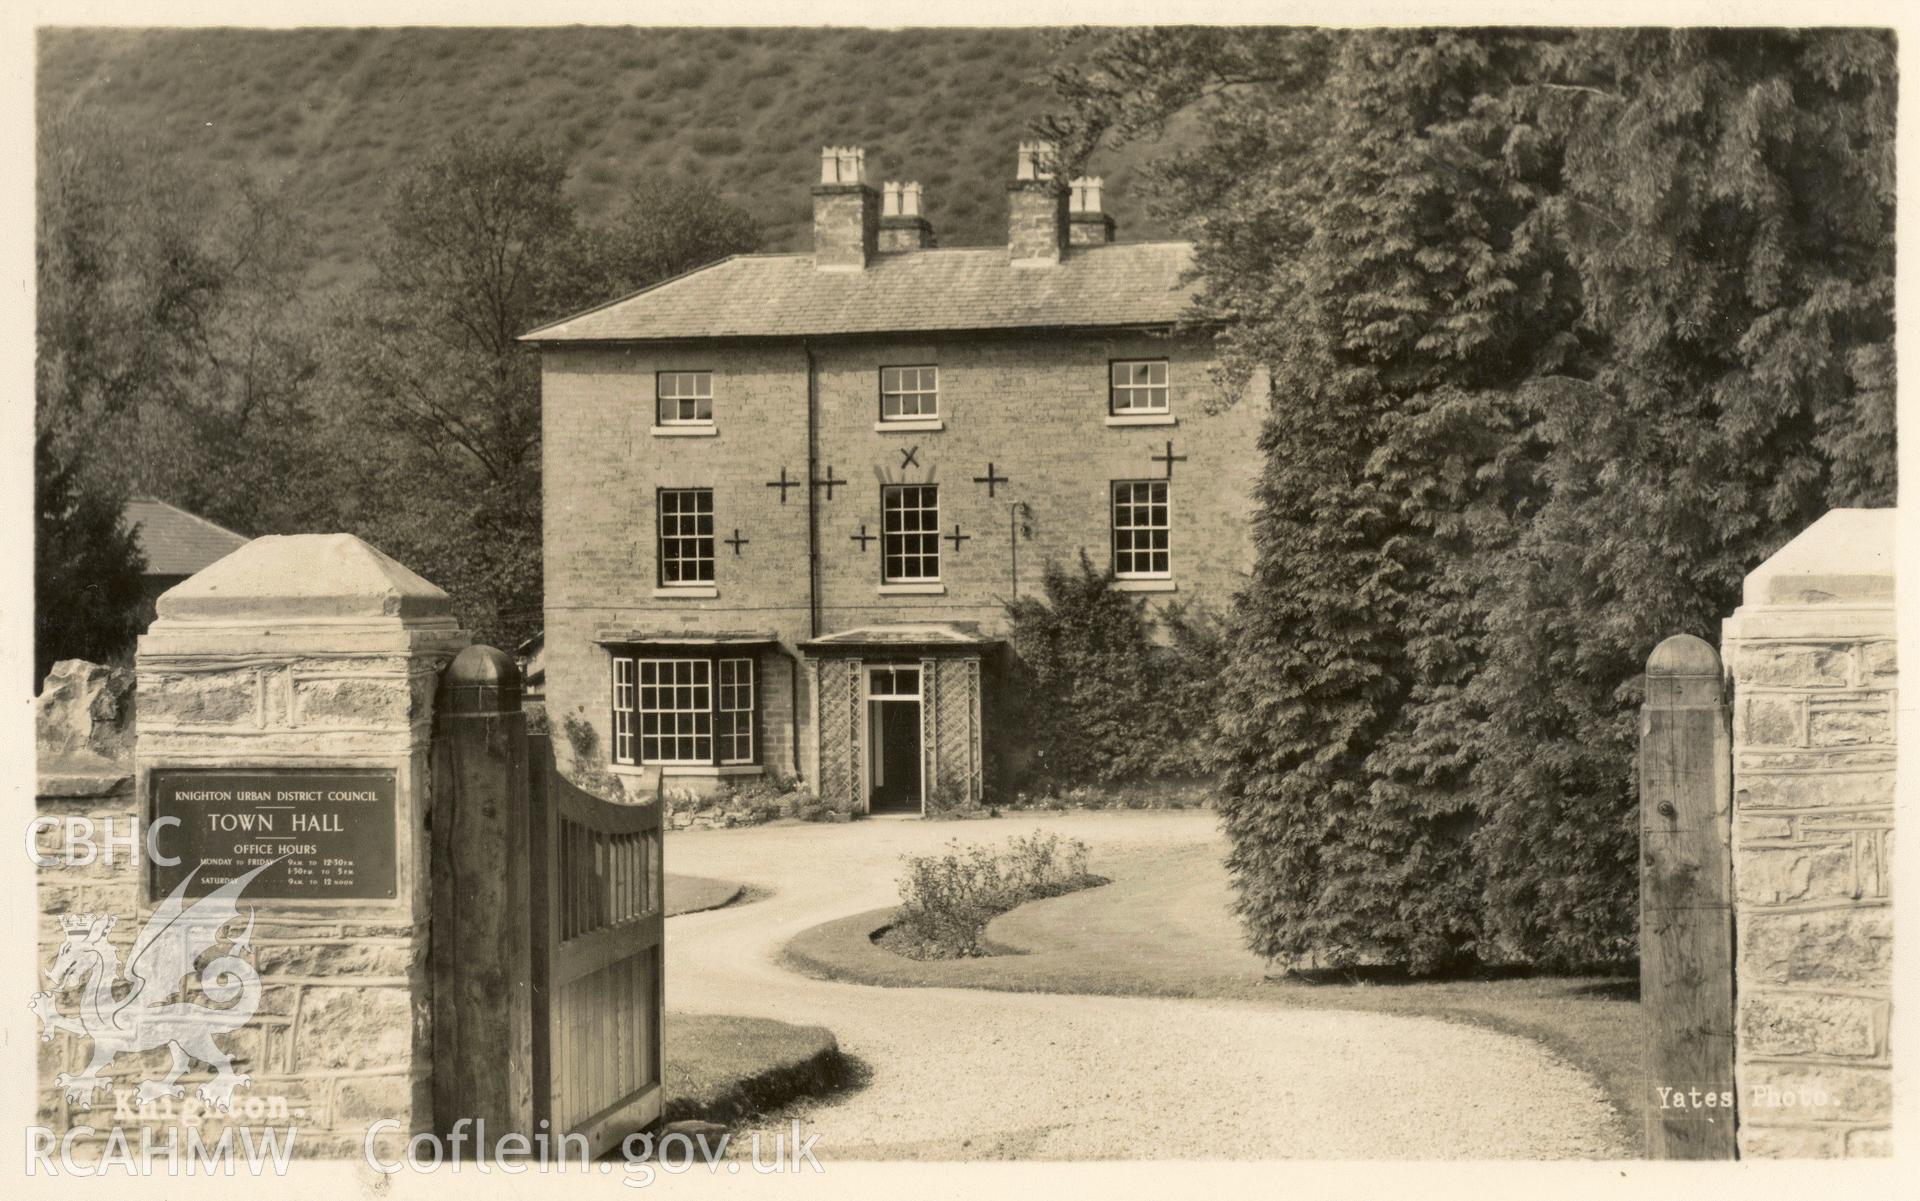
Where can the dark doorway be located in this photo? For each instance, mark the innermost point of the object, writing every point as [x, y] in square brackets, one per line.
[896, 756]
[893, 722]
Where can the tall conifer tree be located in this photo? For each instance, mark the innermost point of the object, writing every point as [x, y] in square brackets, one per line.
[1566, 332]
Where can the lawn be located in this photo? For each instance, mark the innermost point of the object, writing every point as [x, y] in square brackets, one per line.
[691, 894]
[722, 1068]
[1163, 928]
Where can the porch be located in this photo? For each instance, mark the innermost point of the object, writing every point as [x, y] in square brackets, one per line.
[897, 710]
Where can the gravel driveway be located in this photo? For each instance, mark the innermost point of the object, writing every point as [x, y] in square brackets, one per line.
[971, 1074]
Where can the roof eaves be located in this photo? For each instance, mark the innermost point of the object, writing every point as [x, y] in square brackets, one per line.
[1169, 324]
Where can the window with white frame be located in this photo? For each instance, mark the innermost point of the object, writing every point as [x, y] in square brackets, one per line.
[733, 711]
[683, 711]
[910, 533]
[623, 709]
[1138, 386]
[1140, 530]
[909, 393]
[686, 536]
[683, 397]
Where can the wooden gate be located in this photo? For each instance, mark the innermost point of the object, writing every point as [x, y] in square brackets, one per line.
[547, 929]
[597, 928]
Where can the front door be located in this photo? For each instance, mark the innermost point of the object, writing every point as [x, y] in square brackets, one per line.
[893, 723]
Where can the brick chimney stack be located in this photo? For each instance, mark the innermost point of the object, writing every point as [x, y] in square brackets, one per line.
[846, 211]
[1089, 225]
[902, 224]
[1036, 208]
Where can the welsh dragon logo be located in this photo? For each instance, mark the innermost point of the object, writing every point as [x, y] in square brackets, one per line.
[149, 1009]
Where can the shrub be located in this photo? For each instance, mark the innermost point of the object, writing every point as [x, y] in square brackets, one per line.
[768, 798]
[1102, 695]
[809, 807]
[588, 769]
[761, 789]
[947, 900]
[716, 143]
[755, 801]
[688, 800]
[948, 801]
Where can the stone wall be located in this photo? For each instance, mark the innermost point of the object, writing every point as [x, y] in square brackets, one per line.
[83, 724]
[327, 1051]
[1812, 660]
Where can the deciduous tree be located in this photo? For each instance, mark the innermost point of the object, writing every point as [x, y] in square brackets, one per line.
[125, 287]
[482, 245]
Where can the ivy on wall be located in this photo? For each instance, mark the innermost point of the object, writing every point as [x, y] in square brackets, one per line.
[1105, 691]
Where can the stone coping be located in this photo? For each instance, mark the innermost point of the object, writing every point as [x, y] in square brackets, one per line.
[59, 785]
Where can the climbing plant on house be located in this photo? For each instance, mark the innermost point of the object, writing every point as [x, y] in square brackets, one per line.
[1107, 691]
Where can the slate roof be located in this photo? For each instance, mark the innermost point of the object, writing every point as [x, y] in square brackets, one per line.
[1122, 284]
[175, 541]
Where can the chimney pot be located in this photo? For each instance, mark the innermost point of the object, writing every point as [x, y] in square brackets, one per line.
[843, 164]
[1036, 161]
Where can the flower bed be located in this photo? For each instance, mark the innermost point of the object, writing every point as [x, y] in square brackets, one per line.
[761, 800]
[947, 900]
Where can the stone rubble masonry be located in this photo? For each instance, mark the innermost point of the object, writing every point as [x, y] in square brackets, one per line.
[1035, 406]
[899, 235]
[1812, 660]
[308, 651]
[1036, 221]
[1089, 229]
[846, 226]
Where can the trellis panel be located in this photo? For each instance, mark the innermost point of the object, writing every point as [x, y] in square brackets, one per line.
[954, 728]
[840, 723]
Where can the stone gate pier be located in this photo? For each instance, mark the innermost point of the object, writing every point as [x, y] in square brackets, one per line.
[1811, 655]
[285, 707]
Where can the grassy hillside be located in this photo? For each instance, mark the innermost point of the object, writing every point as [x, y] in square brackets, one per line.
[336, 113]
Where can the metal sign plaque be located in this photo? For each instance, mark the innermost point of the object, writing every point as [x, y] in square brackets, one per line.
[328, 834]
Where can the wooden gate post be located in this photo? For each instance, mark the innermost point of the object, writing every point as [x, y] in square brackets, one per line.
[1686, 904]
[482, 838]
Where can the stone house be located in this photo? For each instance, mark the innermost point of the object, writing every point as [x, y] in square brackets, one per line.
[788, 496]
